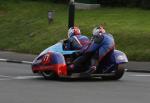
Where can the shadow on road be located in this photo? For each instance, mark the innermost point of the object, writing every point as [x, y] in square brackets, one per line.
[76, 80]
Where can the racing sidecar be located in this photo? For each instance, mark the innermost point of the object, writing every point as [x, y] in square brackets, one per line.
[53, 62]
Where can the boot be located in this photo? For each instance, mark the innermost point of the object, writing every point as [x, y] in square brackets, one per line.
[91, 70]
[87, 73]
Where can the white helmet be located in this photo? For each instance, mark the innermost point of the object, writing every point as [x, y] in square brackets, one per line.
[98, 31]
[73, 31]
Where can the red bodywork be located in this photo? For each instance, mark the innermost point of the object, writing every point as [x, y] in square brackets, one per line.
[51, 62]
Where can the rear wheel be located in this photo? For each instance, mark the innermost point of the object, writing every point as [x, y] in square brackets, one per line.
[49, 75]
[118, 73]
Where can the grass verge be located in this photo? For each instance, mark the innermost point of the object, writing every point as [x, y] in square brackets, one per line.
[24, 26]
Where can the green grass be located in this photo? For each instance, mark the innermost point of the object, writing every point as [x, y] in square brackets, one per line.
[24, 26]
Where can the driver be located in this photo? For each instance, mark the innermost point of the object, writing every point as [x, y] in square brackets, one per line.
[102, 42]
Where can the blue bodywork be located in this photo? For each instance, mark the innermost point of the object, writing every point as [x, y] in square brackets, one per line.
[120, 57]
[108, 64]
[58, 47]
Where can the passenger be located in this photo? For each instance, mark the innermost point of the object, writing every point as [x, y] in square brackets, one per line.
[76, 41]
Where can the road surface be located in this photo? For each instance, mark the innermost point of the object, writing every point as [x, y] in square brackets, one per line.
[19, 85]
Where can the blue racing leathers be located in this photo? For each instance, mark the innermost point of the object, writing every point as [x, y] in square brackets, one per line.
[101, 44]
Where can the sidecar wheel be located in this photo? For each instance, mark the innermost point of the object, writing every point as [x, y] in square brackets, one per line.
[118, 73]
[48, 75]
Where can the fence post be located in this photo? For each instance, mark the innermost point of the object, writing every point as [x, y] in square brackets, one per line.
[50, 16]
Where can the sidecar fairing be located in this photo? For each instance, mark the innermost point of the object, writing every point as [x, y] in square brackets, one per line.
[52, 60]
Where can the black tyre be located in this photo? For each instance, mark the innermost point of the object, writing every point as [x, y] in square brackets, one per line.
[49, 75]
[118, 73]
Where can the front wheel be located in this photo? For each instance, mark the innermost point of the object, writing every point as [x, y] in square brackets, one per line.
[48, 75]
[118, 73]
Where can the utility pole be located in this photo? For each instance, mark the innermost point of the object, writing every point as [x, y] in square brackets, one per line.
[71, 14]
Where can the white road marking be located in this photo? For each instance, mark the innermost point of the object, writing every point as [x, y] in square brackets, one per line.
[26, 77]
[4, 77]
[27, 62]
[140, 75]
[126, 70]
[3, 60]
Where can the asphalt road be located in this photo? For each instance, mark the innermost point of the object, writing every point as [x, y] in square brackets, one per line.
[19, 85]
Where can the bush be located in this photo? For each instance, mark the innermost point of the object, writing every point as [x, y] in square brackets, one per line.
[113, 3]
[61, 1]
[133, 3]
[145, 4]
[126, 3]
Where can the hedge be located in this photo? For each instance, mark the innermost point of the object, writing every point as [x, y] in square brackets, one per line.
[126, 3]
[145, 4]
